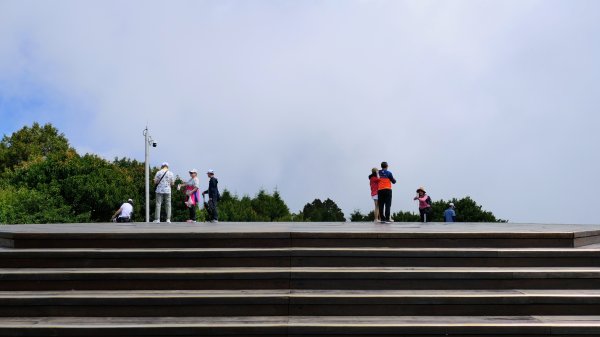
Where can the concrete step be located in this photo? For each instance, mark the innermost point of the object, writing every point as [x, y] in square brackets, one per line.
[298, 303]
[298, 257]
[299, 278]
[422, 326]
[271, 235]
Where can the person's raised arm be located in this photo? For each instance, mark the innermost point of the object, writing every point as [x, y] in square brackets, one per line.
[117, 212]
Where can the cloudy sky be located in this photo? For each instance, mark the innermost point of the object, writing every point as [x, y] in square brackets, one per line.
[497, 100]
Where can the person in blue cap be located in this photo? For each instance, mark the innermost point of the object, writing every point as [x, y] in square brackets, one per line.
[213, 195]
[450, 213]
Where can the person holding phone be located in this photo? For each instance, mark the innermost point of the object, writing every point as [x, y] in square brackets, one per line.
[425, 209]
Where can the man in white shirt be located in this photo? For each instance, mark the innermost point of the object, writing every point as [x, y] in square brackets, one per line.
[123, 214]
[163, 180]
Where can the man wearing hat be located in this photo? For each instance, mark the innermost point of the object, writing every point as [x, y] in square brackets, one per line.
[163, 180]
[124, 213]
[450, 214]
[213, 195]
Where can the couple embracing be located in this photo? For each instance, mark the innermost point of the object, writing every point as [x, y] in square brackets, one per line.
[381, 192]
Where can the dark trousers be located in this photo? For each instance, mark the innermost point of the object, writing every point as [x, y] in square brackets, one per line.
[212, 205]
[425, 214]
[385, 203]
[193, 212]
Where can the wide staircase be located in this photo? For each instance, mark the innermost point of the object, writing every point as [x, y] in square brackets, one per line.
[153, 283]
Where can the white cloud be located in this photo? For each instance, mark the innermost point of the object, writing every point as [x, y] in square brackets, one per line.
[490, 99]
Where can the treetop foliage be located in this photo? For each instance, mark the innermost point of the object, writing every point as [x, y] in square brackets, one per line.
[44, 180]
[30, 142]
[319, 211]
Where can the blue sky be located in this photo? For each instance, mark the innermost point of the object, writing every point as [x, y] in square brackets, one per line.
[497, 100]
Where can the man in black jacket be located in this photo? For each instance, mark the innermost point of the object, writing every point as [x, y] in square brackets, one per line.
[213, 195]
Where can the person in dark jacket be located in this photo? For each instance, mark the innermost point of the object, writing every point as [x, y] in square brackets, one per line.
[213, 195]
[384, 193]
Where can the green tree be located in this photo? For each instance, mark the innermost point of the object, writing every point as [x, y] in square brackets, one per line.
[29, 142]
[322, 211]
[270, 207]
[42, 179]
[79, 188]
[89, 184]
[262, 207]
[402, 216]
[26, 206]
[357, 216]
[467, 210]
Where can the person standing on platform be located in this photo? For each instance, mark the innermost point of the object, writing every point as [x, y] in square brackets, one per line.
[384, 193]
[374, 182]
[124, 213]
[192, 188]
[163, 180]
[450, 213]
[213, 195]
[425, 209]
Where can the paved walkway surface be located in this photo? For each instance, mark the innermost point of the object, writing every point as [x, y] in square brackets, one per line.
[302, 227]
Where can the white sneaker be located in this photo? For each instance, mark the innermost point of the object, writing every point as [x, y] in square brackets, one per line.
[156, 221]
[168, 220]
[214, 221]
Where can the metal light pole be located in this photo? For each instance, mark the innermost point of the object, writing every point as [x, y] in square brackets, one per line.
[148, 141]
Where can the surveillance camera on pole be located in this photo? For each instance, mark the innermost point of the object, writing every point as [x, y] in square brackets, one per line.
[148, 141]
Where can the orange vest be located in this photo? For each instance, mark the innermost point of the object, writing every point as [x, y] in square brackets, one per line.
[385, 183]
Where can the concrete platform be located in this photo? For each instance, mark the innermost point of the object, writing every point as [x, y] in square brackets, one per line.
[273, 235]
